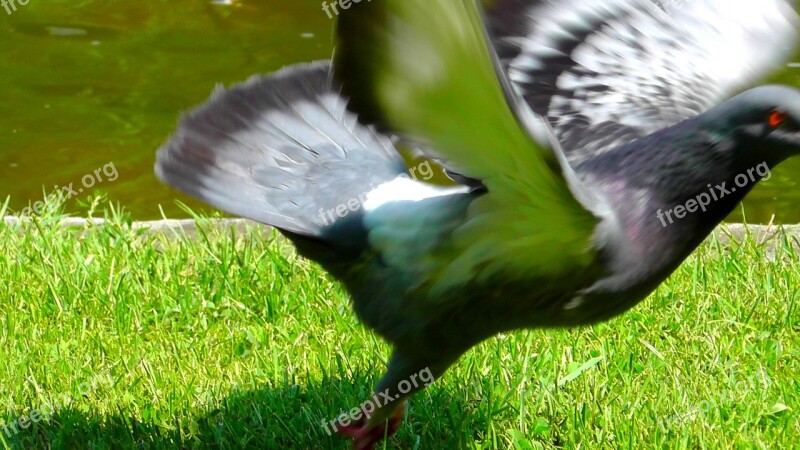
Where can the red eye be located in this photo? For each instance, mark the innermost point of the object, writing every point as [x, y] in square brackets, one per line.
[776, 118]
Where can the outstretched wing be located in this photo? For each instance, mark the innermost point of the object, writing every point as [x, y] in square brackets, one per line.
[425, 69]
[605, 72]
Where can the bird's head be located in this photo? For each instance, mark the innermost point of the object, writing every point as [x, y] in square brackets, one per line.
[762, 124]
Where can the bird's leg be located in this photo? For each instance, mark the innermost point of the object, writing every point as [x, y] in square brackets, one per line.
[366, 433]
[383, 413]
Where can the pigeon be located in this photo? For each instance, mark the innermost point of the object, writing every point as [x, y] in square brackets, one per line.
[593, 146]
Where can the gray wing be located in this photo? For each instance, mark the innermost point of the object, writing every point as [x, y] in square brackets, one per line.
[605, 72]
[280, 149]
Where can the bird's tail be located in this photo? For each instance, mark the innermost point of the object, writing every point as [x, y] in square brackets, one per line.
[280, 149]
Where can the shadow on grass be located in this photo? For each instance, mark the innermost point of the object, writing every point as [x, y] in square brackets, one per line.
[289, 417]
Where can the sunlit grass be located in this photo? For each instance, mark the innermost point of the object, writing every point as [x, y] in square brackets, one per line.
[229, 341]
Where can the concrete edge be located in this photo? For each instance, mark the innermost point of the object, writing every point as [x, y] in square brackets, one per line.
[179, 226]
[724, 232]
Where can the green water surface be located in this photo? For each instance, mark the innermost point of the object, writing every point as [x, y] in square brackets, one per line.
[89, 89]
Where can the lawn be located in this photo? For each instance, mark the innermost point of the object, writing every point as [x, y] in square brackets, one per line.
[115, 337]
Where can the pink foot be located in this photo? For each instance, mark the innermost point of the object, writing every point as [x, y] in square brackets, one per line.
[365, 438]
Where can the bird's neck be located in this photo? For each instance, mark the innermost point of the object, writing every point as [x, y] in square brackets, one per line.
[691, 175]
[669, 190]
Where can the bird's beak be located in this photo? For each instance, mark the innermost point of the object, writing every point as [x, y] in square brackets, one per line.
[786, 139]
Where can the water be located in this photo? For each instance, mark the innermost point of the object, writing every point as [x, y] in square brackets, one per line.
[89, 90]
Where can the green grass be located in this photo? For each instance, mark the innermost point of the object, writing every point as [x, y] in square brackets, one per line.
[230, 341]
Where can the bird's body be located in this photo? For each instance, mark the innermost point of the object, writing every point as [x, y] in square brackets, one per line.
[532, 236]
[656, 172]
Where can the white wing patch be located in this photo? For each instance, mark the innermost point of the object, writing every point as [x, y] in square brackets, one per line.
[403, 188]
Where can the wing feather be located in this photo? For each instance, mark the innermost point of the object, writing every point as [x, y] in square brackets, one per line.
[425, 70]
[605, 72]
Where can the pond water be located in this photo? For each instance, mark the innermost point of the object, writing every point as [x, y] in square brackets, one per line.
[91, 88]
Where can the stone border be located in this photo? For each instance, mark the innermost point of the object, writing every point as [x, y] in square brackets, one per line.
[761, 233]
[175, 226]
[724, 232]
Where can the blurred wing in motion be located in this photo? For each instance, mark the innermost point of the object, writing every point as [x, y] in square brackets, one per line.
[279, 149]
[425, 69]
[605, 72]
